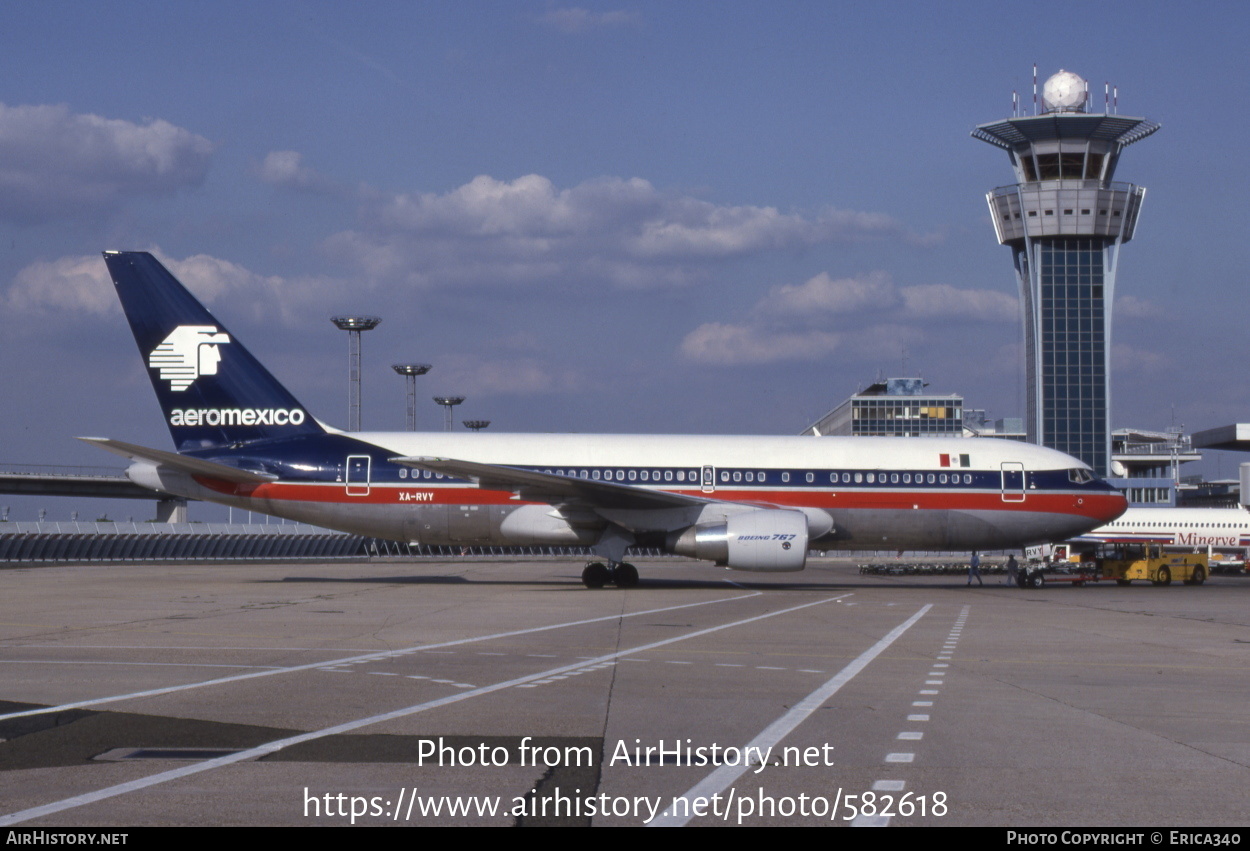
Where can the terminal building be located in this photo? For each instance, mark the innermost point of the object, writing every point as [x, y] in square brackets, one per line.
[894, 407]
[900, 407]
[1146, 464]
[977, 423]
[1065, 220]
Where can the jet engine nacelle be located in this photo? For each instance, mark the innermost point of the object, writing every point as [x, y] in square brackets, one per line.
[767, 539]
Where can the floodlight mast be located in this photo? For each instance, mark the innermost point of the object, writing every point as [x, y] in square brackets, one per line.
[410, 371]
[354, 325]
[448, 403]
[476, 425]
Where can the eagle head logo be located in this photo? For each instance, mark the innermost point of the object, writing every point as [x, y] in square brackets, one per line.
[187, 353]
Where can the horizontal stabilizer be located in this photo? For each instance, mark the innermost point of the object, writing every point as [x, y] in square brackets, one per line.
[182, 463]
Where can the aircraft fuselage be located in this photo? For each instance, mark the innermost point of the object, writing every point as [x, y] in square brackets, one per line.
[858, 493]
[1217, 528]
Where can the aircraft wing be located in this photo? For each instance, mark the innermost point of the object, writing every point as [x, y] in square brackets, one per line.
[534, 486]
[182, 463]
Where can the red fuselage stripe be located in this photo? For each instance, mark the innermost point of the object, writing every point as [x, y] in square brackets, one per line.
[1081, 504]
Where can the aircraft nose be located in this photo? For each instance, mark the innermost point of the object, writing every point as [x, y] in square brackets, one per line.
[1089, 511]
[1106, 507]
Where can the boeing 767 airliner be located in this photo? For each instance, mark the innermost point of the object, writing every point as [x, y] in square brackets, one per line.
[750, 503]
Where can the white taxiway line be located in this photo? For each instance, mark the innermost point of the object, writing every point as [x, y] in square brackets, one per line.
[133, 664]
[367, 657]
[719, 780]
[272, 747]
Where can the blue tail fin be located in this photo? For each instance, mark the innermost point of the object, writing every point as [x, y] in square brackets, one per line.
[211, 389]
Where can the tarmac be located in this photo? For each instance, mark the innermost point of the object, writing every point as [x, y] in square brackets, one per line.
[504, 693]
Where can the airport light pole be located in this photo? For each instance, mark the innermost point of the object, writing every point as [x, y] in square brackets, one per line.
[476, 425]
[448, 403]
[354, 325]
[410, 371]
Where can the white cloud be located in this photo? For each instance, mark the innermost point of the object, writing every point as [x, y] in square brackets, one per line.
[528, 207]
[81, 284]
[69, 284]
[728, 345]
[286, 170]
[54, 163]
[527, 231]
[693, 227]
[823, 294]
[863, 317]
[572, 20]
[945, 301]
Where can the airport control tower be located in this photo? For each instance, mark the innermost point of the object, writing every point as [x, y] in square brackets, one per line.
[1065, 221]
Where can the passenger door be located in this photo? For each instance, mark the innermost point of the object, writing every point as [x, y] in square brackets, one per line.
[358, 475]
[1013, 481]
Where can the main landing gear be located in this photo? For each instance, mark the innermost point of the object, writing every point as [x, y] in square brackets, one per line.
[597, 574]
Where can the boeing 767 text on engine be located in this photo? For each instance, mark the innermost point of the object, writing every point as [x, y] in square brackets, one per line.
[750, 503]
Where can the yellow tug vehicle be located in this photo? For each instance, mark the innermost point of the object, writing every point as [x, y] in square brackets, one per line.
[1126, 563]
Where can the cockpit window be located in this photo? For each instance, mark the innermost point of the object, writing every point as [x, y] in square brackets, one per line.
[1080, 475]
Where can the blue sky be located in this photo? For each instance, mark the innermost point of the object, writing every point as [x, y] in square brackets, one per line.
[718, 217]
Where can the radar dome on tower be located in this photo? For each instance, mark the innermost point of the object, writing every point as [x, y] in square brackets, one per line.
[1065, 92]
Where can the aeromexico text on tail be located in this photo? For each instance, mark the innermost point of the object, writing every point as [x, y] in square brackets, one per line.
[751, 503]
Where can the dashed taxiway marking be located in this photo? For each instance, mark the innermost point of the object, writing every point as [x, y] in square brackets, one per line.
[938, 674]
[346, 668]
[879, 820]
